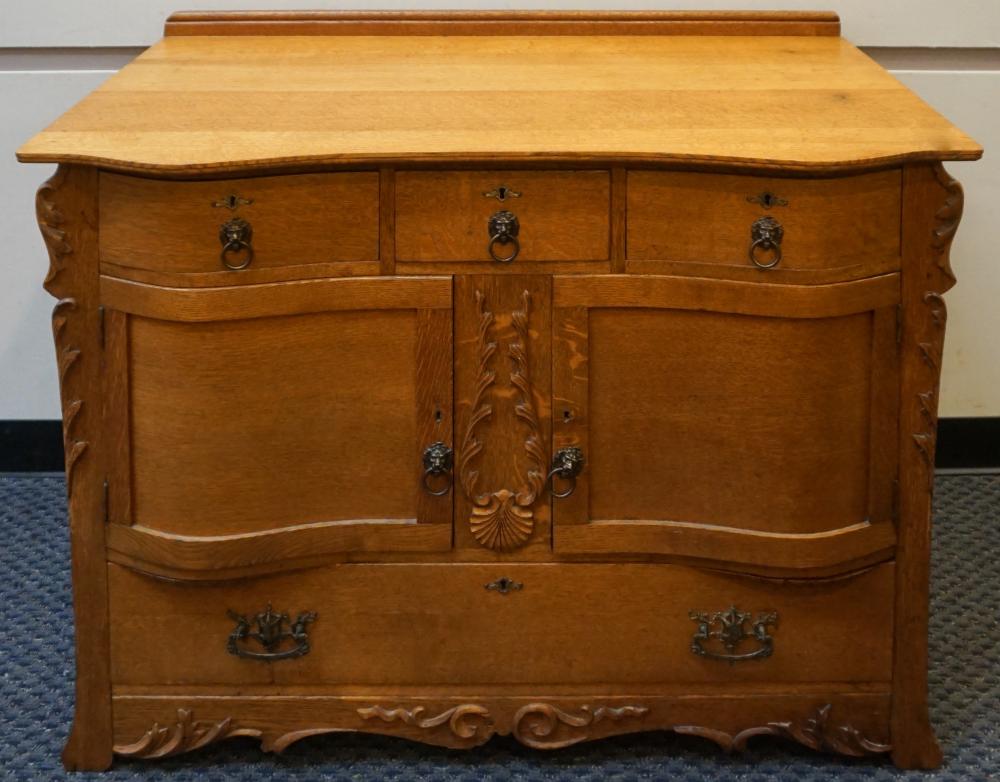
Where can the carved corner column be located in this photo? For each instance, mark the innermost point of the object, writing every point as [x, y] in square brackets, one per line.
[67, 216]
[932, 209]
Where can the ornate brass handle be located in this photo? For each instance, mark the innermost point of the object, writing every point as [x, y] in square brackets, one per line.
[503, 228]
[567, 463]
[731, 631]
[235, 236]
[766, 234]
[270, 634]
[438, 460]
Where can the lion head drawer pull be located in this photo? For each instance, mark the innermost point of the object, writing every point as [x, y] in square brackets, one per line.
[766, 234]
[270, 634]
[567, 463]
[235, 236]
[731, 631]
[438, 460]
[503, 228]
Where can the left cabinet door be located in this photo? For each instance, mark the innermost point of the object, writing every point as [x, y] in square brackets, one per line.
[266, 423]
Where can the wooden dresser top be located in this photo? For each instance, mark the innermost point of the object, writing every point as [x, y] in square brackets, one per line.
[225, 92]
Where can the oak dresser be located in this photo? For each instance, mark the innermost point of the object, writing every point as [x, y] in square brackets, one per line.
[558, 375]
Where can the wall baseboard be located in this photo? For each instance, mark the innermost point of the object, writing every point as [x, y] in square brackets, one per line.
[963, 443]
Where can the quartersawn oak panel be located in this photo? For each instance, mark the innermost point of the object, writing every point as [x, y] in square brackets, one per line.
[729, 420]
[298, 220]
[438, 625]
[697, 223]
[251, 425]
[194, 105]
[444, 215]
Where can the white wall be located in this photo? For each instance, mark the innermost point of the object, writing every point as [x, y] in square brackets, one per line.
[44, 70]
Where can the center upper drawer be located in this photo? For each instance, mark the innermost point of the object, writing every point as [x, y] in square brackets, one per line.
[502, 218]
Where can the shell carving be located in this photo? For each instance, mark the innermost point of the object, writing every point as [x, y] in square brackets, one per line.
[502, 524]
[503, 520]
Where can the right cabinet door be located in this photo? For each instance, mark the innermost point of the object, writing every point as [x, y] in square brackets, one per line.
[746, 423]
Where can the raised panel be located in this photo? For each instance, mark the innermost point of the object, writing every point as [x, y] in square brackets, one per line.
[742, 423]
[758, 423]
[249, 425]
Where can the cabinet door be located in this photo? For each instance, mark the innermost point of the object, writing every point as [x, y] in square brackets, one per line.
[272, 422]
[741, 422]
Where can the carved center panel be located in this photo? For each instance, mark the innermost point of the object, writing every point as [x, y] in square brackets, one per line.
[502, 517]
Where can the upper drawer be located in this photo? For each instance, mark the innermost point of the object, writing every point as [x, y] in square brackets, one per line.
[821, 230]
[309, 220]
[446, 216]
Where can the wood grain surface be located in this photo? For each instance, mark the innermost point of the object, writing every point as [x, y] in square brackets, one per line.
[369, 619]
[833, 228]
[296, 220]
[444, 215]
[502, 22]
[209, 104]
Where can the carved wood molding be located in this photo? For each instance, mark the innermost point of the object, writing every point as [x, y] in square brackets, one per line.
[544, 726]
[183, 735]
[503, 520]
[946, 221]
[540, 725]
[816, 732]
[52, 224]
[67, 320]
[70, 390]
[466, 721]
[929, 326]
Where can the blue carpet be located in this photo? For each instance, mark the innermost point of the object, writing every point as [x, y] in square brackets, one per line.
[36, 675]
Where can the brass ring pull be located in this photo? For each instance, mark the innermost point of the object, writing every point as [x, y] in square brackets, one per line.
[427, 481]
[438, 460]
[503, 230]
[766, 234]
[235, 236]
[567, 463]
[504, 240]
[235, 247]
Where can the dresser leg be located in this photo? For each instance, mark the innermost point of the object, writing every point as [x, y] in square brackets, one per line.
[917, 747]
[932, 210]
[83, 754]
[66, 206]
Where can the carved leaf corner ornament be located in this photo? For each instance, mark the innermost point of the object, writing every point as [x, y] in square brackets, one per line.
[503, 520]
[183, 735]
[929, 325]
[67, 318]
[817, 732]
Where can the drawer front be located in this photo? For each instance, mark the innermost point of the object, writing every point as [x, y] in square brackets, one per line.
[556, 624]
[446, 216]
[729, 225]
[286, 221]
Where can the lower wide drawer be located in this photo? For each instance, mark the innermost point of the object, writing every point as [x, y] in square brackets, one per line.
[521, 624]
